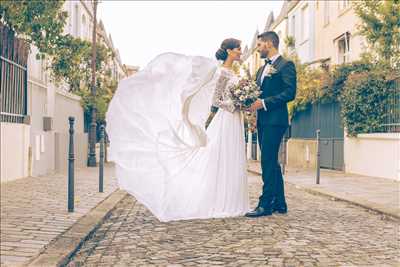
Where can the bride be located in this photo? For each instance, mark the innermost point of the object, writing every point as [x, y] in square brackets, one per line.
[163, 153]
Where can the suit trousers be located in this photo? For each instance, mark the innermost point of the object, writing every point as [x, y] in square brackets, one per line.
[273, 193]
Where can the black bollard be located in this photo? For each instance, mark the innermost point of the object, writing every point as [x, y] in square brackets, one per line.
[101, 163]
[318, 155]
[105, 143]
[254, 145]
[71, 170]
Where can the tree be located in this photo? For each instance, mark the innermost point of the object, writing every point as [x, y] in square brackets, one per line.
[311, 83]
[105, 84]
[367, 101]
[70, 64]
[290, 41]
[40, 23]
[380, 24]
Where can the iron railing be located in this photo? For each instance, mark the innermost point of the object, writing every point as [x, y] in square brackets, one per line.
[13, 77]
[392, 110]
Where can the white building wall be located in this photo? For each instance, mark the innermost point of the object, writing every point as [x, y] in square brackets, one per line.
[332, 21]
[15, 160]
[68, 105]
[28, 149]
[373, 155]
[42, 142]
[281, 30]
[301, 21]
[40, 105]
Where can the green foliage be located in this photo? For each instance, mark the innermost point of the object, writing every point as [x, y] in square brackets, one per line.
[365, 98]
[363, 87]
[364, 90]
[70, 64]
[339, 76]
[38, 22]
[73, 62]
[290, 41]
[105, 89]
[310, 85]
[69, 59]
[380, 25]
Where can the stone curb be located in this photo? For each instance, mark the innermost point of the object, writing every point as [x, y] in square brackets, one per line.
[391, 213]
[61, 249]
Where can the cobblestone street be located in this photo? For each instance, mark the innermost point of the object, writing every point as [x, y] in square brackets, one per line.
[34, 210]
[317, 231]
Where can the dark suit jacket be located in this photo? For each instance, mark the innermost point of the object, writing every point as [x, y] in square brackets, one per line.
[277, 90]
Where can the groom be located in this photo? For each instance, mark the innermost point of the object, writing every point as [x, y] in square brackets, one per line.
[277, 80]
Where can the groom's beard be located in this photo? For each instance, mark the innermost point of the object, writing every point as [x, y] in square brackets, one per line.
[264, 54]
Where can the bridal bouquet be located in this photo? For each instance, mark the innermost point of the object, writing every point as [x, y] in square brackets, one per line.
[245, 93]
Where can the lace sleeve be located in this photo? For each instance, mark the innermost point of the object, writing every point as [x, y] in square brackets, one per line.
[222, 95]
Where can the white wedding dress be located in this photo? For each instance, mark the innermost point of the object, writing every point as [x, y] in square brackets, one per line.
[164, 156]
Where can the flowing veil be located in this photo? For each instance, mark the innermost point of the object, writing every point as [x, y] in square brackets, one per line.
[156, 124]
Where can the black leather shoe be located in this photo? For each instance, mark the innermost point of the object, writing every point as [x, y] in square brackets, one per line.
[279, 210]
[258, 212]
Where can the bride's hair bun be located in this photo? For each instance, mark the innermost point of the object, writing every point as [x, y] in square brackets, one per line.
[221, 54]
[230, 43]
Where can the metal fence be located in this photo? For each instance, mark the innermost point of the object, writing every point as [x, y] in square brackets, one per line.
[392, 110]
[13, 77]
[324, 117]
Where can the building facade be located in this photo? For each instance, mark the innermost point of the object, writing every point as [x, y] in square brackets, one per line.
[40, 145]
[325, 33]
[337, 40]
[301, 27]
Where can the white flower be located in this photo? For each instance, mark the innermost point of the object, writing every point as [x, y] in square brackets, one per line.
[245, 90]
[269, 70]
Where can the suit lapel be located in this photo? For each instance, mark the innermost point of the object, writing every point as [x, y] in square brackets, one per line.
[260, 72]
[276, 65]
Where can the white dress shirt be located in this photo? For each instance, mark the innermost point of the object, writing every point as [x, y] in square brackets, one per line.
[273, 59]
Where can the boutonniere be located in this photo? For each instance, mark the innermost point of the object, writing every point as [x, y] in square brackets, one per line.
[269, 70]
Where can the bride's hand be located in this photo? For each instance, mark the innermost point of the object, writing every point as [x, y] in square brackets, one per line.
[256, 105]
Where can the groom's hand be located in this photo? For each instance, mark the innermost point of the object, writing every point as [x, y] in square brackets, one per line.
[256, 105]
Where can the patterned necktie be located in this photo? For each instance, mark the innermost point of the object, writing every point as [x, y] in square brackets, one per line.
[268, 61]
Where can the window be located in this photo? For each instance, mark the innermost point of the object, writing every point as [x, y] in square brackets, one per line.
[343, 46]
[343, 4]
[293, 28]
[90, 30]
[76, 21]
[305, 24]
[84, 28]
[43, 76]
[280, 40]
[326, 12]
[70, 14]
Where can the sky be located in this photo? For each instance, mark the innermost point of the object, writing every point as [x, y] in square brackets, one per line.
[141, 30]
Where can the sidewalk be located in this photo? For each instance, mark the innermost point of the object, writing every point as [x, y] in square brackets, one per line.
[378, 194]
[34, 210]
